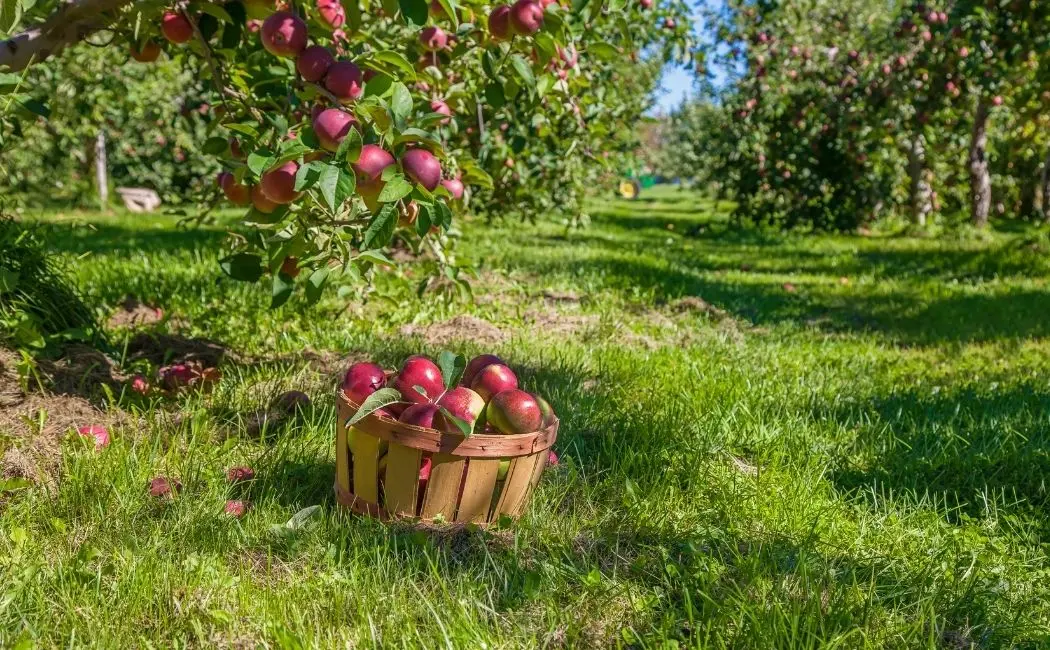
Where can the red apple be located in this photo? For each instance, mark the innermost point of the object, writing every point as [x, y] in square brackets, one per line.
[148, 53]
[237, 193]
[261, 202]
[241, 474]
[422, 372]
[97, 432]
[526, 17]
[175, 27]
[314, 62]
[514, 411]
[493, 379]
[345, 81]
[331, 13]
[476, 365]
[236, 508]
[162, 486]
[646, 4]
[499, 22]
[369, 373]
[284, 34]
[422, 167]
[463, 403]
[420, 415]
[331, 126]
[454, 187]
[433, 38]
[439, 106]
[369, 170]
[278, 184]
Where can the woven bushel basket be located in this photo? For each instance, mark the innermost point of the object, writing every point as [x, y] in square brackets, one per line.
[378, 461]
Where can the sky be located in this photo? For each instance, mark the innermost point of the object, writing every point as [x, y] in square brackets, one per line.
[677, 83]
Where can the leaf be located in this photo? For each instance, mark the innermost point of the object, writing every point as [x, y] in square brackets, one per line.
[375, 257]
[603, 51]
[443, 215]
[424, 219]
[464, 427]
[10, 15]
[401, 102]
[494, 96]
[397, 187]
[414, 11]
[397, 60]
[315, 284]
[283, 285]
[450, 11]
[336, 185]
[8, 280]
[524, 72]
[244, 267]
[475, 175]
[214, 9]
[390, 7]
[260, 161]
[35, 107]
[452, 366]
[381, 229]
[245, 129]
[308, 175]
[350, 148]
[419, 135]
[374, 402]
[215, 146]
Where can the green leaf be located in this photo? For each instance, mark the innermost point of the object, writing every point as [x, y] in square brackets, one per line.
[10, 15]
[464, 427]
[523, 70]
[494, 96]
[381, 229]
[390, 7]
[425, 218]
[414, 11]
[419, 135]
[283, 285]
[475, 175]
[36, 108]
[308, 175]
[245, 129]
[397, 60]
[397, 187]
[443, 215]
[350, 148]
[260, 161]
[254, 216]
[452, 366]
[603, 51]
[375, 257]
[450, 11]
[374, 402]
[336, 185]
[8, 280]
[245, 267]
[9, 79]
[401, 102]
[315, 284]
[215, 146]
[378, 85]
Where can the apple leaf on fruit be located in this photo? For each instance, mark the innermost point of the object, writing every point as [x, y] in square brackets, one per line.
[463, 426]
[422, 391]
[452, 366]
[397, 187]
[374, 402]
[350, 148]
[381, 229]
[336, 185]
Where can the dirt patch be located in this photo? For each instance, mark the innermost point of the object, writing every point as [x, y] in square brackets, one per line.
[569, 297]
[555, 323]
[10, 389]
[460, 328]
[697, 305]
[80, 371]
[160, 349]
[132, 313]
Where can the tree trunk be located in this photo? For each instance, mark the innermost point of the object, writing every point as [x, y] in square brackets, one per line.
[101, 172]
[1026, 209]
[1045, 187]
[919, 190]
[980, 179]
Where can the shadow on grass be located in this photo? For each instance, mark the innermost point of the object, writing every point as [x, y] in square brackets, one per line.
[110, 238]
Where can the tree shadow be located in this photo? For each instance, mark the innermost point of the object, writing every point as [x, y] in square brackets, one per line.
[110, 238]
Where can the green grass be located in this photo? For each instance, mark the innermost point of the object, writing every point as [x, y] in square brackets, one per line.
[855, 463]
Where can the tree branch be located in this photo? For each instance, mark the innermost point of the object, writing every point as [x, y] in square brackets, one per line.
[71, 23]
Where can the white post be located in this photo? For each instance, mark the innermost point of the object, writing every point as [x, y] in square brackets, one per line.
[101, 175]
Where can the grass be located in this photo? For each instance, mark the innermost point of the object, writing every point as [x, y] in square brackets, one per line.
[845, 445]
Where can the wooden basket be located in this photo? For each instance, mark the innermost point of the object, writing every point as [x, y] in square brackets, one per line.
[377, 464]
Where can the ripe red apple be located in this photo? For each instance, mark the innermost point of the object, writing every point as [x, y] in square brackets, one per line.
[314, 62]
[369, 170]
[345, 81]
[331, 126]
[493, 379]
[433, 38]
[97, 432]
[420, 415]
[261, 202]
[284, 34]
[438, 106]
[240, 474]
[331, 13]
[370, 374]
[460, 402]
[997, 100]
[476, 365]
[237, 193]
[419, 371]
[422, 167]
[235, 149]
[236, 508]
[454, 187]
[670, 24]
[290, 267]
[175, 27]
[162, 486]
[646, 4]
[148, 53]
[278, 184]
[514, 411]
[499, 22]
[526, 17]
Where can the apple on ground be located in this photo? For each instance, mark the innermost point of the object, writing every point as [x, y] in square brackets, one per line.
[97, 432]
[236, 508]
[240, 474]
[292, 401]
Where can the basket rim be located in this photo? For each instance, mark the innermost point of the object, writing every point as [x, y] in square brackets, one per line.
[479, 445]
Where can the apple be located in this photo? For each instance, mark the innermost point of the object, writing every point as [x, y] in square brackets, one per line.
[165, 487]
[475, 365]
[237, 193]
[526, 17]
[646, 4]
[368, 373]
[369, 171]
[433, 38]
[97, 432]
[514, 411]
[148, 53]
[261, 202]
[331, 13]
[240, 474]
[345, 81]
[278, 184]
[314, 62]
[454, 187]
[499, 22]
[493, 379]
[422, 167]
[176, 27]
[463, 403]
[504, 467]
[236, 508]
[420, 415]
[419, 371]
[331, 126]
[284, 34]
[292, 401]
[438, 106]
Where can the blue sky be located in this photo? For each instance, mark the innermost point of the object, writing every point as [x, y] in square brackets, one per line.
[677, 83]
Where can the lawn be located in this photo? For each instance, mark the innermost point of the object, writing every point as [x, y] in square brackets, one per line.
[767, 441]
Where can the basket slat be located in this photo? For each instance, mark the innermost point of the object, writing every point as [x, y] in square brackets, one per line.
[519, 478]
[342, 460]
[366, 466]
[477, 490]
[446, 474]
[402, 480]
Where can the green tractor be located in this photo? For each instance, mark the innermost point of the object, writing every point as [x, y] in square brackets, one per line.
[631, 185]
